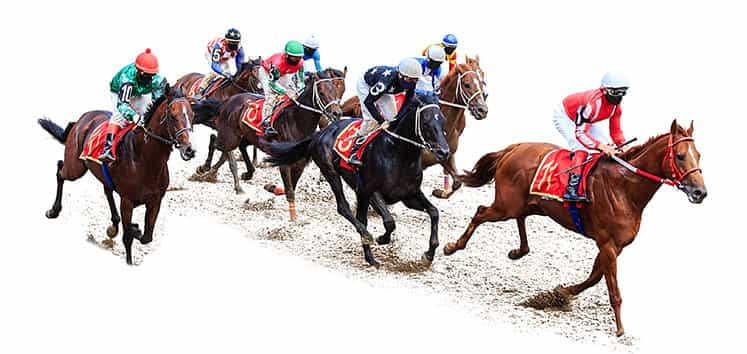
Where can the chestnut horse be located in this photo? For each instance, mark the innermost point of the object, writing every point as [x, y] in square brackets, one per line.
[461, 89]
[618, 197]
[321, 97]
[140, 174]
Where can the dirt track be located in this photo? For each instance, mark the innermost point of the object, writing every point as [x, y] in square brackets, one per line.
[480, 280]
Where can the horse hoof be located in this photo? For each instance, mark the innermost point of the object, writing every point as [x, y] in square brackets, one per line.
[202, 169]
[427, 260]
[52, 213]
[449, 249]
[516, 254]
[620, 332]
[382, 240]
[374, 263]
[440, 193]
[246, 176]
[239, 191]
[145, 240]
[111, 231]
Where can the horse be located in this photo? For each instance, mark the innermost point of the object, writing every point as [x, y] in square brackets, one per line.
[140, 174]
[461, 89]
[391, 171]
[294, 122]
[618, 197]
[246, 80]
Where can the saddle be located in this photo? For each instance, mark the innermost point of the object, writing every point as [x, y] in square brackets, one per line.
[216, 82]
[345, 139]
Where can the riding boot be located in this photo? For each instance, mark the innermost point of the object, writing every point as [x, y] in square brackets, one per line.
[270, 132]
[353, 160]
[106, 155]
[574, 178]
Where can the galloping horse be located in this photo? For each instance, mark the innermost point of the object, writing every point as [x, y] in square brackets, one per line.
[294, 122]
[246, 80]
[140, 174]
[391, 169]
[618, 197]
[461, 89]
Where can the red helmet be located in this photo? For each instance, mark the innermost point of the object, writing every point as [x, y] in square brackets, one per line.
[147, 62]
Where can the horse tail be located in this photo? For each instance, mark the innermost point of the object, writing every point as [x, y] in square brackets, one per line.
[205, 110]
[484, 170]
[286, 153]
[55, 130]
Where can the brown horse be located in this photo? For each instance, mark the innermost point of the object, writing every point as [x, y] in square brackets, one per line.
[461, 89]
[140, 174]
[618, 197]
[321, 97]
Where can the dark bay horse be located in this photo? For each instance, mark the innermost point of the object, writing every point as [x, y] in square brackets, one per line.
[391, 170]
[297, 121]
[140, 174]
[461, 89]
[246, 80]
[618, 197]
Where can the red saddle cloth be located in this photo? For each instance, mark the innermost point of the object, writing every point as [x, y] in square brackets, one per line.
[95, 144]
[345, 140]
[252, 115]
[399, 99]
[210, 88]
[550, 181]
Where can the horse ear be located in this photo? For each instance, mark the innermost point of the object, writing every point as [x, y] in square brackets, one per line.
[673, 128]
[477, 58]
[344, 71]
[690, 130]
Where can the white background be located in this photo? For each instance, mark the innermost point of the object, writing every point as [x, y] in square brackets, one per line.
[681, 279]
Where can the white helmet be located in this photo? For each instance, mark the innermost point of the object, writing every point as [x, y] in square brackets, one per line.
[409, 67]
[436, 53]
[615, 80]
[311, 42]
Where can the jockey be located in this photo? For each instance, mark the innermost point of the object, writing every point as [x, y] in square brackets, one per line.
[577, 120]
[430, 80]
[220, 52]
[449, 44]
[132, 90]
[281, 74]
[311, 52]
[376, 89]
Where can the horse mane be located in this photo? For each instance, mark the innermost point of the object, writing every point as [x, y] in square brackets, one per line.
[416, 102]
[335, 72]
[637, 150]
[168, 93]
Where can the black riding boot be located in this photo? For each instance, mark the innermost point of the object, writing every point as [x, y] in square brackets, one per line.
[353, 160]
[571, 192]
[106, 155]
[270, 132]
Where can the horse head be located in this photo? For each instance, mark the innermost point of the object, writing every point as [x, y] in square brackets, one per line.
[175, 121]
[423, 120]
[248, 76]
[327, 88]
[470, 87]
[682, 161]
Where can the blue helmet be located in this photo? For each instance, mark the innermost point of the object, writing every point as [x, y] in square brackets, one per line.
[450, 41]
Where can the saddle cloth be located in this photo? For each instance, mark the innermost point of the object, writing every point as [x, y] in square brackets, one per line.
[94, 146]
[550, 181]
[217, 81]
[345, 140]
[252, 115]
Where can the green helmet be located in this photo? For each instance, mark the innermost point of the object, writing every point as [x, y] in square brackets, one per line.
[294, 48]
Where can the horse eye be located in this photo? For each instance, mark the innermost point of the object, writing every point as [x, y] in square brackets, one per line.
[680, 157]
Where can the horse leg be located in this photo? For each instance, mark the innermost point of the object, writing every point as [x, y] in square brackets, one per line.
[377, 202]
[610, 275]
[254, 155]
[246, 176]
[524, 246]
[131, 230]
[57, 206]
[113, 229]
[209, 161]
[151, 214]
[420, 202]
[482, 215]
[449, 171]
[343, 208]
[290, 196]
[362, 212]
[234, 171]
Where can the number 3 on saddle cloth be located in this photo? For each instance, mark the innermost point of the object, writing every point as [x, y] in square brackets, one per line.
[95, 144]
[252, 115]
[551, 180]
[217, 82]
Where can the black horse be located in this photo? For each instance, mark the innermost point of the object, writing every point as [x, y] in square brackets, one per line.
[391, 170]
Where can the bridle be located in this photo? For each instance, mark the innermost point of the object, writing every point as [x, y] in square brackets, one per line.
[173, 139]
[418, 130]
[317, 99]
[677, 175]
[465, 97]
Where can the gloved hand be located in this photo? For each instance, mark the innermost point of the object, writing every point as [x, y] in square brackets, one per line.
[607, 149]
[292, 94]
[137, 119]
